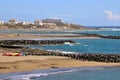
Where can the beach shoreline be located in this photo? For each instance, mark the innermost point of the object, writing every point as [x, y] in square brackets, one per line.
[10, 64]
[7, 36]
[31, 34]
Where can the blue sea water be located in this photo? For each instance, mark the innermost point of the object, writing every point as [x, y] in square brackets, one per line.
[92, 46]
[83, 73]
[104, 46]
[86, 74]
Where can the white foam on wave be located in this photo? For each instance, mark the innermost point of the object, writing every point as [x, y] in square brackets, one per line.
[65, 52]
[115, 29]
[109, 29]
[25, 76]
[29, 76]
[68, 43]
[60, 72]
[71, 44]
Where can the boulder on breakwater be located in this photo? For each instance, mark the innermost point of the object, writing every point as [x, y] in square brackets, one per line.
[97, 35]
[97, 57]
[32, 42]
[84, 57]
[115, 58]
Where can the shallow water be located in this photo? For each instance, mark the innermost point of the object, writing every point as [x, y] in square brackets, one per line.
[83, 73]
[93, 74]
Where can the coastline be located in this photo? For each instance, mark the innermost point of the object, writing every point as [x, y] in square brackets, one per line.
[14, 35]
[30, 63]
[26, 75]
[7, 36]
[10, 64]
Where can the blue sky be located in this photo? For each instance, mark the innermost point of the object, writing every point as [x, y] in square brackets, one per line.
[85, 12]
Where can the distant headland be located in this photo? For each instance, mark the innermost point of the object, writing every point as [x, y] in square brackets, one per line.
[49, 23]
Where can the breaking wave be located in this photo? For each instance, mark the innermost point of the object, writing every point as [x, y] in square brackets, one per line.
[109, 29]
[32, 75]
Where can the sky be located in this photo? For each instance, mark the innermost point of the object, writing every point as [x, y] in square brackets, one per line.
[84, 12]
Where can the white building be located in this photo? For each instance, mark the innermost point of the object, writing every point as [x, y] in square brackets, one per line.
[1, 22]
[26, 23]
[38, 22]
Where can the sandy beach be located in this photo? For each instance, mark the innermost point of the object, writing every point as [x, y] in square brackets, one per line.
[38, 37]
[28, 35]
[10, 64]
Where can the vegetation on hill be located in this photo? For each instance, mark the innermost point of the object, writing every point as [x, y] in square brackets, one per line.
[70, 26]
[58, 25]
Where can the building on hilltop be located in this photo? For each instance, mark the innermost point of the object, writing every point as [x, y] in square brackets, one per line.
[26, 23]
[38, 22]
[13, 21]
[51, 20]
[48, 25]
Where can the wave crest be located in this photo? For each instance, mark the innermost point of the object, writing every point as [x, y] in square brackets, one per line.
[29, 76]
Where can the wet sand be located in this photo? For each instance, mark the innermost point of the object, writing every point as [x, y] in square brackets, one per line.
[10, 64]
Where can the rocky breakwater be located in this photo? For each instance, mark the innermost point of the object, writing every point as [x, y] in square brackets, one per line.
[97, 57]
[110, 37]
[114, 58]
[97, 35]
[19, 43]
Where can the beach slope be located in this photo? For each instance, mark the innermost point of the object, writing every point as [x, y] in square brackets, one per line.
[10, 64]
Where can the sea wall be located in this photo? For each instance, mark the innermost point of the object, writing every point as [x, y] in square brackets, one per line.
[97, 35]
[84, 57]
[32, 42]
[110, 37]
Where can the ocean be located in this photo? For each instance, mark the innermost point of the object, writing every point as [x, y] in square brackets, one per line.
[83, 73]
[92, 46]
[103, 46]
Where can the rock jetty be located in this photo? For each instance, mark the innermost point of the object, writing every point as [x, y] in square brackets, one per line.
[97, 35]
[114, 58]
[32, 42]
